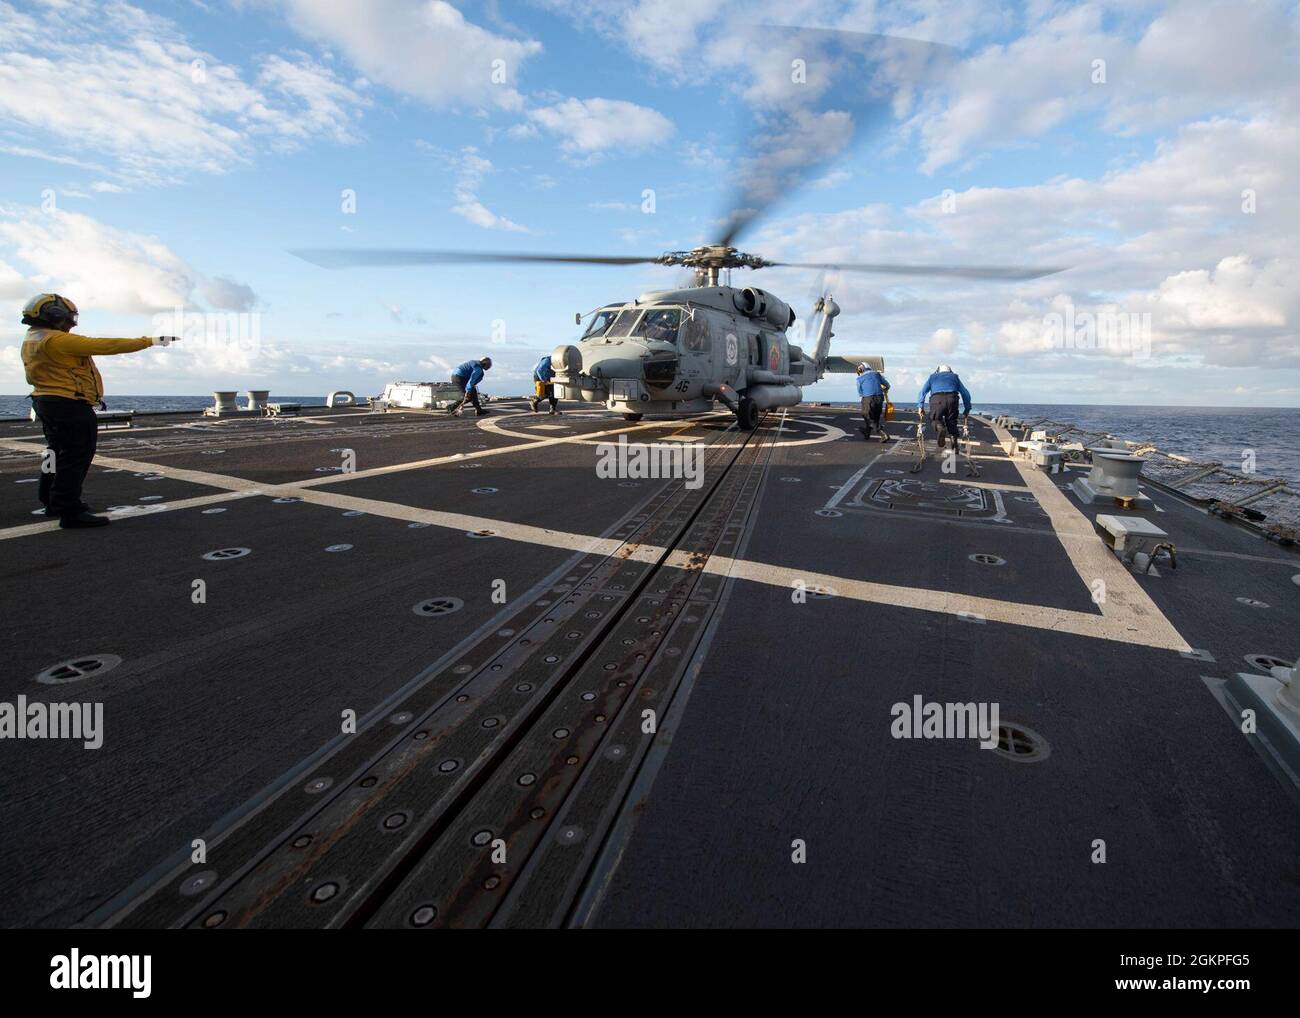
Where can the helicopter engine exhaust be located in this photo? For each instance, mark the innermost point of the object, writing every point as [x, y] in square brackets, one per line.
[755, 303]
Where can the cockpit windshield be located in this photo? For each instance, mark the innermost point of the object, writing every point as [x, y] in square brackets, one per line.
[600, 323]
[661, 324]
[623, 323]
[655, 323]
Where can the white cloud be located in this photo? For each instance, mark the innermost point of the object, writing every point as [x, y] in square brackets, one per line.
[101, 267]
[589, 127]
[1235, 294]
[473, 168]
[423, 48]
[1165, 236]
[832, 179]
[1188, 61]
[228, 295]
[13, 284]
[128, 87]
[943, 341]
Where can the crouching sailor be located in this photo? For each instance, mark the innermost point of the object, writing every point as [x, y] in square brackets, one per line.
[544, 385]
[872, 388]
[66, 388]
[943, 388]
[466, 379]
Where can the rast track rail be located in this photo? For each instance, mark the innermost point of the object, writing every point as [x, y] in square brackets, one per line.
[484, 796]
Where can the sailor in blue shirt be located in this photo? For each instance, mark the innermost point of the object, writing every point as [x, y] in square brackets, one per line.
[872, 387]
[544, 386]
[466, 377]
[943, 387]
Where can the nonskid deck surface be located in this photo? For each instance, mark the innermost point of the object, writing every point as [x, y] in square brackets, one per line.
[763, 624]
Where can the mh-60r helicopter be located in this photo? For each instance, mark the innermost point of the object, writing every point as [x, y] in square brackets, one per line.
[676, 352]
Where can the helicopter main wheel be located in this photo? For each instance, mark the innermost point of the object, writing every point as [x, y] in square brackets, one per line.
[632, 417]
[747, 415]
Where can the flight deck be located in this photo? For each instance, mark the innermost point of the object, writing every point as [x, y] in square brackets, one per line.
[404, 670]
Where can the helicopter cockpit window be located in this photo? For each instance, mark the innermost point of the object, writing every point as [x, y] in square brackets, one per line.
[623, 323]
[600, 323]
[661, 324]
[695, 334]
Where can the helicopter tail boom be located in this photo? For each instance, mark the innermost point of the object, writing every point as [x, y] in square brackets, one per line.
[848, 364]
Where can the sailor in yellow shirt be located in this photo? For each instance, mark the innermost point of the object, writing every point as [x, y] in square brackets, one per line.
[66, 388]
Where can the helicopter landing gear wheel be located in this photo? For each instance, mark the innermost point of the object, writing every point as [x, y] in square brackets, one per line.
[747, 414]
[632, 417]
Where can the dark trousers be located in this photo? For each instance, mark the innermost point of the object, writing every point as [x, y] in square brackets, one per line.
[71, 431]
[943, 414]
[872, 407]
[471, 396]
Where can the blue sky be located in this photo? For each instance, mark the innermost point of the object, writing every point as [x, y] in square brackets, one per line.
[137, 180]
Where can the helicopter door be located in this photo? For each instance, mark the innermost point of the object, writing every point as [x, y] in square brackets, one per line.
[696, 354]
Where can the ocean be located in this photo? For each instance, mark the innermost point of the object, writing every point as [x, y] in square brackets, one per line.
[1204, 434]
[1200, 433]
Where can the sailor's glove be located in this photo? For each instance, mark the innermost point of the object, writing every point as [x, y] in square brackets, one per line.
[165, 340]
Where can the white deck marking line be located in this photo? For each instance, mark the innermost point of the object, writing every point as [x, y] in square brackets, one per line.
[1060, 620]
[831, 433]
[530, 442]
[988, 485]
[1125, 608]
[238, 483]
[246, 487]
[464, 522]
[1126, 604]
[152, 509]
[852, 482]
[203, 477]
[939, 601]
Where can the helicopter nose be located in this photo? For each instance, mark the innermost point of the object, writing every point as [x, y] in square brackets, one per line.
[616, 362]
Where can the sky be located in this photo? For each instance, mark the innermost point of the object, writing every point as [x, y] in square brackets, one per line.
[165, 159]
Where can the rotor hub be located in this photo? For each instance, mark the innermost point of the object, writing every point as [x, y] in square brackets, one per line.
[714, 257]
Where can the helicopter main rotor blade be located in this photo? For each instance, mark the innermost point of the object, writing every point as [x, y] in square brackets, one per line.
[958, 271]
[343, 258]
[851, 84]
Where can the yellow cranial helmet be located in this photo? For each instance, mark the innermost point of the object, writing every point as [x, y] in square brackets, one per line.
[50, 309]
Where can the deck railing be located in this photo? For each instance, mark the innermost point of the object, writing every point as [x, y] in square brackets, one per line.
[1270, 503]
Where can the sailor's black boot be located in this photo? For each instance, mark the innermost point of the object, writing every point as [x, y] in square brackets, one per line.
[82, 521]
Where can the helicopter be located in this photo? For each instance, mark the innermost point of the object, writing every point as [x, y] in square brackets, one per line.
[677, 352]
